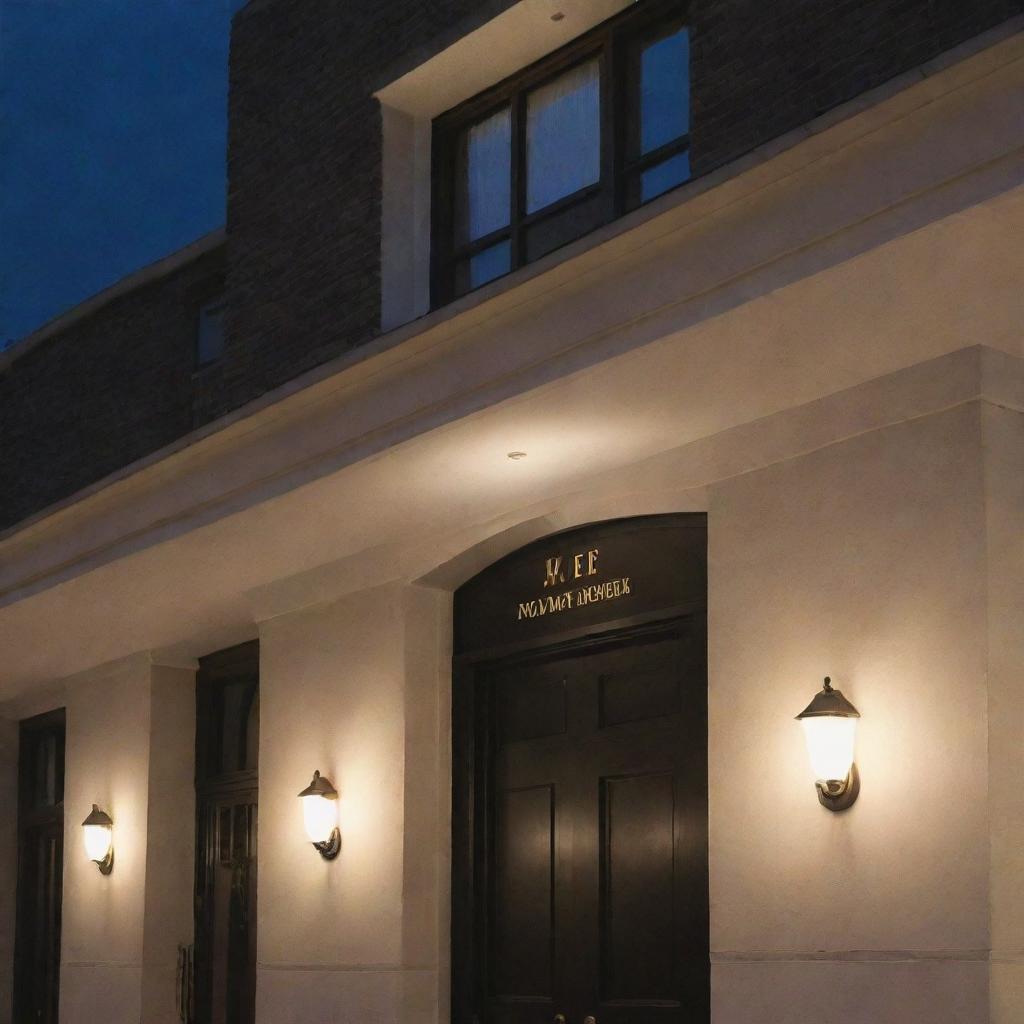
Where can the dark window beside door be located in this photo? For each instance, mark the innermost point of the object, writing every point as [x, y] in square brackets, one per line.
[227, 799]
[572, 142]
[40, 868]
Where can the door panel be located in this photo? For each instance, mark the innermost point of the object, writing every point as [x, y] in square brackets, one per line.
[638, 952]
[523, 895]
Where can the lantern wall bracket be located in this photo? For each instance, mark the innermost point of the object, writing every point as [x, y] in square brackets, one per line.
[837, 796]
[332, 847]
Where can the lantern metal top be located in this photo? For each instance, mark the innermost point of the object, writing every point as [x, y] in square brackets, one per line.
[829, 703]
[320, 787]
[98, 817]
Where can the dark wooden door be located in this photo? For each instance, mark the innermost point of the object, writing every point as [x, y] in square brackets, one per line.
[594, 860]
[227, 760]
[40, 869]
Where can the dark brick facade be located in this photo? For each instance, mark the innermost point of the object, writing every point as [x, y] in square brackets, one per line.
[303, 232]
[762, 69]
[109, 389]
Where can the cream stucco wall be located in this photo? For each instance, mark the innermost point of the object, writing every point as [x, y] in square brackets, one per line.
[130, 734]
[865, 560]
[108, 720]
[170, 838]
[353, 689]
[1004, 489]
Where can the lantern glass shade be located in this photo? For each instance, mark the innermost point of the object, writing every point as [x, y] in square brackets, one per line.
[320, 816]
[97, 842]
[830, 745]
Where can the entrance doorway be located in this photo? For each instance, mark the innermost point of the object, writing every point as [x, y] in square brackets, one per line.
[227, 762]
[580, 785]
[40, 868]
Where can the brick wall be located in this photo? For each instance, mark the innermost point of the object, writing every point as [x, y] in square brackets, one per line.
[303, 232]
[304, 159]
[762, 69]
[109, 389]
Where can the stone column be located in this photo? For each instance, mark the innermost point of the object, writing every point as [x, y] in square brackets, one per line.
[865, 560]
[130, 729]
[171, 838]
[352, 689]
[1003, 434]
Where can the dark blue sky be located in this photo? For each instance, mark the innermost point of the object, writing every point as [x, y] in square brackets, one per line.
[112, 143]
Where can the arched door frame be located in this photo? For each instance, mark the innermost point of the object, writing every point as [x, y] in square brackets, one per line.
[648, 607]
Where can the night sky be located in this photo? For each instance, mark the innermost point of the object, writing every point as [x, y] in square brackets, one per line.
[112, 143]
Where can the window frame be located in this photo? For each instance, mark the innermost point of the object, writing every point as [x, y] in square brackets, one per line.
[610, 44]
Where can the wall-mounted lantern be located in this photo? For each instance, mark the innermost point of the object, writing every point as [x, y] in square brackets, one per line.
[99, 839]
[830, 728]
[320, 814]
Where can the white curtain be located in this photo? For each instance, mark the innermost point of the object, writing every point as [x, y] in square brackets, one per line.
[563, 136]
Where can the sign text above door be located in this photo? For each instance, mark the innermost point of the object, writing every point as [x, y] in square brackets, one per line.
[581, 566]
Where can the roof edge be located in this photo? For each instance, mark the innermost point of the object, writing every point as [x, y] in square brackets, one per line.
[129, 283]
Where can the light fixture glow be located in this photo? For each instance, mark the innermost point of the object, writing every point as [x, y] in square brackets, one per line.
[320, 816]
[830, 729]
[830, 746]
[98, 833]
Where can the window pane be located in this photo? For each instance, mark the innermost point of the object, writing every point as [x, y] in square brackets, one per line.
[210, 332]
[563, 136]
[45, 781]
[664, 90]
[234, 718]
[483, 267]
[484, 177]
[661, 177]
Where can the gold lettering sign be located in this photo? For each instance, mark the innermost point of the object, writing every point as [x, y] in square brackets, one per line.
[584, 564]
[553, 574]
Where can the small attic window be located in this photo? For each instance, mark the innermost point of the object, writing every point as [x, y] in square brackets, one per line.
[209, 335]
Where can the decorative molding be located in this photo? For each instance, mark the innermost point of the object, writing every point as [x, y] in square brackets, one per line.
[859, 956]
[346, 968]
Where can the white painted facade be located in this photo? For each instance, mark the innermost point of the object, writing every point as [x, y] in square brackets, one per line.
[823, 350]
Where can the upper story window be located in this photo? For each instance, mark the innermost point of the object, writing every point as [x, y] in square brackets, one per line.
[210, 331]
[574, 141]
